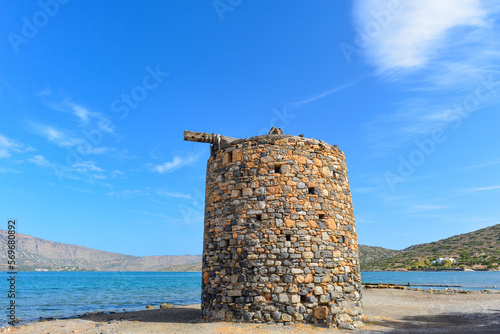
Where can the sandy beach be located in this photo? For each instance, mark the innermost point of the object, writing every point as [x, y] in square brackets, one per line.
[386, 310]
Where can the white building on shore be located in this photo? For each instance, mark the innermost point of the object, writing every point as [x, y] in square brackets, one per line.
[442, 259]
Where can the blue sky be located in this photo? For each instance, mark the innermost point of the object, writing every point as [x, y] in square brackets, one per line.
[95, 96]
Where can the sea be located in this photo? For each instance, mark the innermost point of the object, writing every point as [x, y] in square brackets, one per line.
[68, 294]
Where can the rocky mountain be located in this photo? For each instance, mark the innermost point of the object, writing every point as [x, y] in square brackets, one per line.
[481, 247]
[371, 254]
[39, 254]
[478, 248]
[196, 266]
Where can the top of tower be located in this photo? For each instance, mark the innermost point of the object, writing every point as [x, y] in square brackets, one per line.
[220, 142]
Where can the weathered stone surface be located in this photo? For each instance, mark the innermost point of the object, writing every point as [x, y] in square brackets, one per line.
[166, 305]
[280, 242]
[320, 312]
[295, 299]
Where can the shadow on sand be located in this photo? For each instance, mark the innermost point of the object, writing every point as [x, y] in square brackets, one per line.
[175, 315]
[453, 323]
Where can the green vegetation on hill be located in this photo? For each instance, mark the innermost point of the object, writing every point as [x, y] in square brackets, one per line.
[478, 248]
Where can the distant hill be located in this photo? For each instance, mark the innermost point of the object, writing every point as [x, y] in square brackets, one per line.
[478, 247]
[196, 266]
[39, 254]
[371, 254]
[481, 247]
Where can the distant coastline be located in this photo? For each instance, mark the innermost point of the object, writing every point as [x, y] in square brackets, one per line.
[474, 251]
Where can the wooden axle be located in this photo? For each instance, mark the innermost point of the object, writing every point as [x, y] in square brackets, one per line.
[201, 137]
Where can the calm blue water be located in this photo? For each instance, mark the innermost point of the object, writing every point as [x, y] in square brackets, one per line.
[470, 280]
[66, 294]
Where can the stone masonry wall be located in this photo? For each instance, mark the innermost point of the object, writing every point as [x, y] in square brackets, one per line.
[280, 241]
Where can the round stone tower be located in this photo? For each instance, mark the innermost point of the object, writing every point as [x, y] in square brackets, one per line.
[280, 240]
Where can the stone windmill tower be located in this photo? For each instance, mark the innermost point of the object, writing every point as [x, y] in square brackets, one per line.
[280, 240]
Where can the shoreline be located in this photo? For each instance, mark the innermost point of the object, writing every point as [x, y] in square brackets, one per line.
[386, 311]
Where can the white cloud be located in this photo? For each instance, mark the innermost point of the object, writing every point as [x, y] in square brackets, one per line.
[56, 136]
[426, 207]
[482, 165]
[86, 166]
[86, 116]
[45, 92]
[8, 145]
[163, 192]
[409, 34]
[40, 161]
[105, 125]
[149, 213]
[116, 173]
[80, 112]
[90, 170]
[480, 189]
[128, 193]
[298, 104]
[102, 150]
[8, 170]
[444, 53]
[363, 190]
[175, 164]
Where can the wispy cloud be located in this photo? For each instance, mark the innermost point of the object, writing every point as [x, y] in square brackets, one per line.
[90, 127]
[163, 192]
[102, 150]
[176, 163]
[364, 220]
[417, 31]
[40, 161]
[45, 92]
[84, 115]
[482, 165]
[363, 190]
[426, 207]
[7, 146]
[129, 193]
[71, 139]
[80, 190]
[481, 189]
[153, 153]
[86, 166]
[116, 173]
[80, 111]
[300, 103]
[89, 118]
[56, 136]
[154, 214]
[454, 218]
[86, 171]
[442, 52]
[9, 170]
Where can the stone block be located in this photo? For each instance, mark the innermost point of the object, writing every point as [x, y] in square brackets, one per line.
[320, 312]
[234, 293]
[283, 298]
